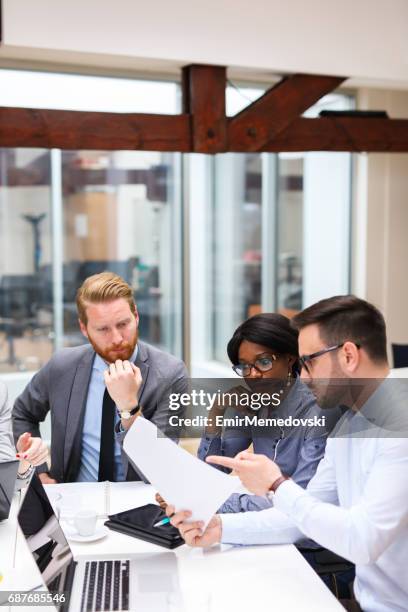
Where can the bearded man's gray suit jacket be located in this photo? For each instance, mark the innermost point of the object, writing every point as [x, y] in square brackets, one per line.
[61, 387]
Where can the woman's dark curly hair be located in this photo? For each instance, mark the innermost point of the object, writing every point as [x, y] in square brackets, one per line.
[267, 329]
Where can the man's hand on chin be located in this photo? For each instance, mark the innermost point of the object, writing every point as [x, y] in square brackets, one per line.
[256, 472]
[192, 532]
[123, 381]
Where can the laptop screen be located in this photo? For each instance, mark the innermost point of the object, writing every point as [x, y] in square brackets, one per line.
[45, 538]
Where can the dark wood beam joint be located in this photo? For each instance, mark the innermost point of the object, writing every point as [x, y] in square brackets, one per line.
[204, 100]
[272, 113]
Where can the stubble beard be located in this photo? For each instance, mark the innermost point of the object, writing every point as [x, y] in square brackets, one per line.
[330, 392]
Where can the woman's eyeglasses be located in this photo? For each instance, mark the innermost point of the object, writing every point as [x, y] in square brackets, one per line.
[262, 365]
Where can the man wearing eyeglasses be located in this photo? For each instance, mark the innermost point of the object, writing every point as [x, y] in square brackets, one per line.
[357, 503]
[263, 351]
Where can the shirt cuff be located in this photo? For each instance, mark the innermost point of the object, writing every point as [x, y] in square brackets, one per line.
[120, 429]
[287, 495]
[232, 526]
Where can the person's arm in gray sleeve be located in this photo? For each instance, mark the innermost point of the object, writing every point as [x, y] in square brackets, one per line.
[211, 441]
[209, 445]
[31, 408]
[227, 441]
[243, 502]
[163, 412]
[226, 446]
[7, 449]
[311, 453]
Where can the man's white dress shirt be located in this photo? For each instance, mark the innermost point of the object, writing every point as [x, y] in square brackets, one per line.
[356, 504]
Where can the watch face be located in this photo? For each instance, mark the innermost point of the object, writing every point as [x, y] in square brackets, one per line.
[125, 415]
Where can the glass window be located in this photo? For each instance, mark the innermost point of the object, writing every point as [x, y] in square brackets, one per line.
[26, 296]
[290, 233]
[66, 215]
[313, 220]
[265, 232]
[237, 97]
[122, 213]
[278, 236]
[237, 244]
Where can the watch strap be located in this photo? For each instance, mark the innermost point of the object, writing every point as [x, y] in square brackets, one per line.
[278, 482]
[135, 409]
[131, 412]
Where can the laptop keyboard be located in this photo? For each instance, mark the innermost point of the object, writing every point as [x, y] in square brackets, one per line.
[106, 586]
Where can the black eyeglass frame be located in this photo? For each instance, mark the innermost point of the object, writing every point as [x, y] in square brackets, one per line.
[305, 359]
[252, 365]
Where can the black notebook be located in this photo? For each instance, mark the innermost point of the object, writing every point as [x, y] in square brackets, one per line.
[139, 522]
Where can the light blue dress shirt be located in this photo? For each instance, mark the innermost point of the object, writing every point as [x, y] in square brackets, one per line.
[91, 432]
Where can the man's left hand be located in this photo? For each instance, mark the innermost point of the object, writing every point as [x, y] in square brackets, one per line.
[192, 532]
[256, 472]
[123, 381]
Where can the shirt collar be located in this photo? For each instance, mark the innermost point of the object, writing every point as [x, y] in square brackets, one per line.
[379, 405]
[100, 365]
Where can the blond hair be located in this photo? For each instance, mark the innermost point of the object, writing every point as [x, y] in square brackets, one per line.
[100, 288]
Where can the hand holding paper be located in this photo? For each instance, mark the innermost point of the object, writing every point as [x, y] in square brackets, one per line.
[184, 481]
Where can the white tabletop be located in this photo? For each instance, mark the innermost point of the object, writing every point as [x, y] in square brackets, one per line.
[211, 580]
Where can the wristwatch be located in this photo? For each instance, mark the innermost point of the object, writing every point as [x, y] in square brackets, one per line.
[277, 483]
[127, 414]
[272, 489]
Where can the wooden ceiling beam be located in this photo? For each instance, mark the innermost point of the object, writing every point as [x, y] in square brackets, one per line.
[28, 127]
[272, 113]
[272, 123]
[353, 134]
[203, 89]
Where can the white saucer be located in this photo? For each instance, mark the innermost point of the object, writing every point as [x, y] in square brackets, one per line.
[100, 532]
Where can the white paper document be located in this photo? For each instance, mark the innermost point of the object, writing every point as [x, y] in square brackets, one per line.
[181, 479]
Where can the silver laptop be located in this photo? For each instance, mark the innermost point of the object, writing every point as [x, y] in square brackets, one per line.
[147, 582]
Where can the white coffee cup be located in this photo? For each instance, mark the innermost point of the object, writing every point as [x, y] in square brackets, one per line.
[85, 522]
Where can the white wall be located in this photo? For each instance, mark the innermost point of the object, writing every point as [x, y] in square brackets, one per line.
[381, 223]
[326, 226]
[359, 39]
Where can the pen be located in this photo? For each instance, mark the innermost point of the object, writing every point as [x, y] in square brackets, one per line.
[162, 522]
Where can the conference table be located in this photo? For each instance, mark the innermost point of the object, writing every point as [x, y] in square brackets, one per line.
[219, 578]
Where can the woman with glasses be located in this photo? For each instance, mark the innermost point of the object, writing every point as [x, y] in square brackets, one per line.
[264, 353]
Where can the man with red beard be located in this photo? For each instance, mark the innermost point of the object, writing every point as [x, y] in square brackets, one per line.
[96, 391]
